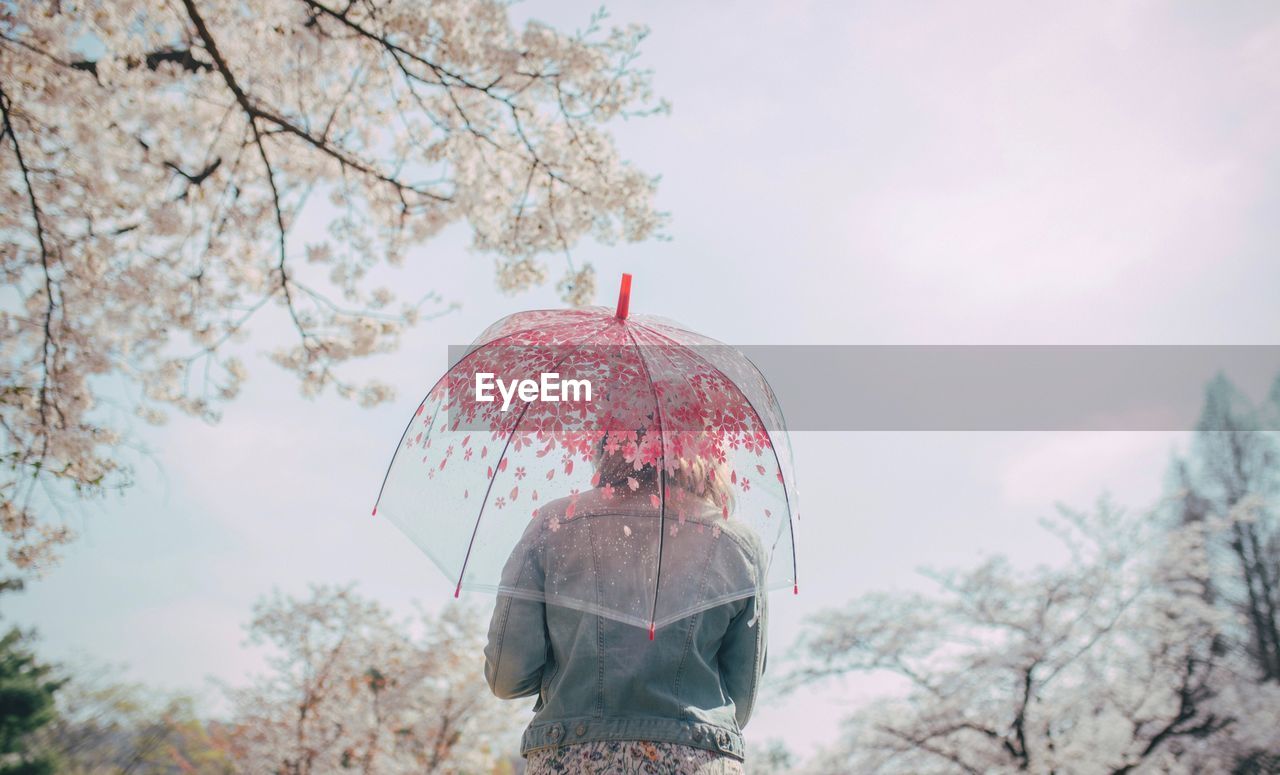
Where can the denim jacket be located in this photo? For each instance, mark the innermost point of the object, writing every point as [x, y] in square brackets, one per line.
[597, 678]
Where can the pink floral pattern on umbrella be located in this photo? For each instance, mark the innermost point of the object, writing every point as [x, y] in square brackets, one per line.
[687, 414]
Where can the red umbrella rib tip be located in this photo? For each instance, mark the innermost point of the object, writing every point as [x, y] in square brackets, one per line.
[651, 630]
[795, 589]
[375, 511]
[624, 297]
[457, 590]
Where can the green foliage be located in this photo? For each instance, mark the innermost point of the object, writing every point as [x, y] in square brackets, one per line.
[27, 705]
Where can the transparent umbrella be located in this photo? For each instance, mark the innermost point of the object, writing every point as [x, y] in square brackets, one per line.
[620, 465]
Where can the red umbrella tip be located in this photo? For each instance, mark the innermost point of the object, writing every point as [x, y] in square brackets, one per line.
[651, 629]
[795, 589]
[624, 297]
[457, 590]
[375, 511]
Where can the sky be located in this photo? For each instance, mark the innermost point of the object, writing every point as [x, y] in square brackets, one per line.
[836, 173]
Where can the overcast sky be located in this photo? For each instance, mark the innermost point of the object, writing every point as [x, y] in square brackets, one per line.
[837, 173]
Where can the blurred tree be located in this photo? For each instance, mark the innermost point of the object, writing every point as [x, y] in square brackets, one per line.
[105, 727]
[27, 690]
[154, 156]
[353, 691]
[772, 758]
[1108, 664]
[1230, 485]
[90, 725]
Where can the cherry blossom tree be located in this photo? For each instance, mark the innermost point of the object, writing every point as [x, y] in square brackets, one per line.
[155, 155]
[352, 690]
[1111, 663]
[1230, 484]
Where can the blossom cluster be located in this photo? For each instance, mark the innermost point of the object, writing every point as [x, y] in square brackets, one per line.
[155, 156]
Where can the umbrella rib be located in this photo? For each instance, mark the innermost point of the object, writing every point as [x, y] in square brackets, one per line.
[662, 482]
[795, 569]
[387, 474]
[497, 466]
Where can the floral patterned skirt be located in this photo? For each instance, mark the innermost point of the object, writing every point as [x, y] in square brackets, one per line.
[629, 757]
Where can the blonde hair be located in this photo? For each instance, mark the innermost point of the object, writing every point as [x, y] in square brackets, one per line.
[697, 476]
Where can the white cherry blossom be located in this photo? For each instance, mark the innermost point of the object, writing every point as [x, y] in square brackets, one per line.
[155, 154]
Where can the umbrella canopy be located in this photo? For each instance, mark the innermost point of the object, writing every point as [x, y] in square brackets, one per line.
[614, 463]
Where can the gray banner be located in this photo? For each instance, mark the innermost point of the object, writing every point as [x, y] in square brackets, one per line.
[984, 387]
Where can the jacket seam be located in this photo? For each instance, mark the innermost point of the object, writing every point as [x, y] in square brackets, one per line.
[755, 673]
[506, 617]
[502, 638]
[755, 669]
[595, 572]
[555, 667]
[693, 624]
[684, 658]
